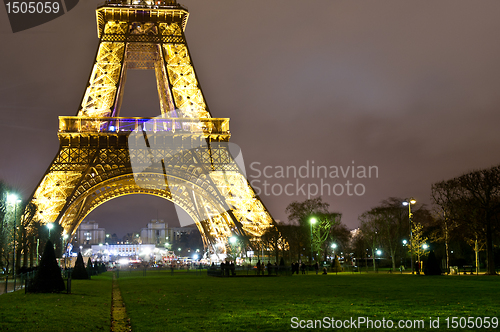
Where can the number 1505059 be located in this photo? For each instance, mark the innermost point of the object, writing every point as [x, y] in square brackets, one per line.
[32, 7]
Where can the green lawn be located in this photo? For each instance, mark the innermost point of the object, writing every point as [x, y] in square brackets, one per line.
[189, 302]
[193, 302]
[88, 308]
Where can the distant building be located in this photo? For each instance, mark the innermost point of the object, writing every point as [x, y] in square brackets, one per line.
[132, 238]
[155, 233]
[158, 233]
[127, 250]
[89, 233]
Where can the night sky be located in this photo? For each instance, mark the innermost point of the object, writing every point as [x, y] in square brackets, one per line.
[411, 87]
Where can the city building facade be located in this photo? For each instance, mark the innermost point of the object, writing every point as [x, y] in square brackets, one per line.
[89, 233]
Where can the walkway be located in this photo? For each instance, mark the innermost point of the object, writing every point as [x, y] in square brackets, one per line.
[119, 319]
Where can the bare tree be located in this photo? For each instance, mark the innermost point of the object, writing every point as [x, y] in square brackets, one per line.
[370, 230]
[384, 225]
[473, 200]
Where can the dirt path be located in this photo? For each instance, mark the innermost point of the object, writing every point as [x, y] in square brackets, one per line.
[119, 319]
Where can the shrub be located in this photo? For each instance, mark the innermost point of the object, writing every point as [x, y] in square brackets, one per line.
[432, 268]
[48, 278]
[90, 268]
[79, 271]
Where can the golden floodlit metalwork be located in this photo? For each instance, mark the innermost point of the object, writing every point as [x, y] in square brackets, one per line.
[93, 164]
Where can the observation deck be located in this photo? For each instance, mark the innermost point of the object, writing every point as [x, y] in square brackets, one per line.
[120, 125]
[140, 11]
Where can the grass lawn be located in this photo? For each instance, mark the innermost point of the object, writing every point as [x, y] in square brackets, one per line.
[164, 302]
[87, 308]
[193, 302]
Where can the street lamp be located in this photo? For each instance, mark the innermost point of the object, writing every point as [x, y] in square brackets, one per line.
[334, 246]
[12, 198]
[312, 221]
[409, 203]
[50, 226]
[65, 249]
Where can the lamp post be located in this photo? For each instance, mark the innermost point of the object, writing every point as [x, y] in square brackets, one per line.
[409, 203]
[12, 198]
[312, 221]
[233, 240]
[334, 246]
[65, 250]
[49, 226]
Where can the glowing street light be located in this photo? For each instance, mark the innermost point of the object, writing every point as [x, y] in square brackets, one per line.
[232, 239]
[425, 246]
[50, 226]
[409, 203]
[379, 252]
[65, 248]
[312, 221]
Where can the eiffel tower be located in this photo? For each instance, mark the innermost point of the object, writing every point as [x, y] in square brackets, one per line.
[183, 155]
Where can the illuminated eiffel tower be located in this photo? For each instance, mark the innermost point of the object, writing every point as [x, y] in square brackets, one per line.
[182, 155]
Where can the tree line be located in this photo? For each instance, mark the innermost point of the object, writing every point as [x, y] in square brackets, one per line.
[462, 223]
[29, 239]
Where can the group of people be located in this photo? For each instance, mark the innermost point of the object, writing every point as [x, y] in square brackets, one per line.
[227, 268]
[302, 267]
[270, 268]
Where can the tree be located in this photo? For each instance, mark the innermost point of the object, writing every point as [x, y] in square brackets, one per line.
[5, 233]
[432, 267]
[340, 235]
[418, 241]
[442, 231]
[301, 214]
[48, 278]
[322, 232]
[79, 271]
[473, 200]
[274, 240]
[370, 230]
[90, 267]
[9, 213]
[296, 239]
[384, 226]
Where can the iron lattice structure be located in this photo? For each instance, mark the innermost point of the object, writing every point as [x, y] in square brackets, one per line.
[192, 165]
